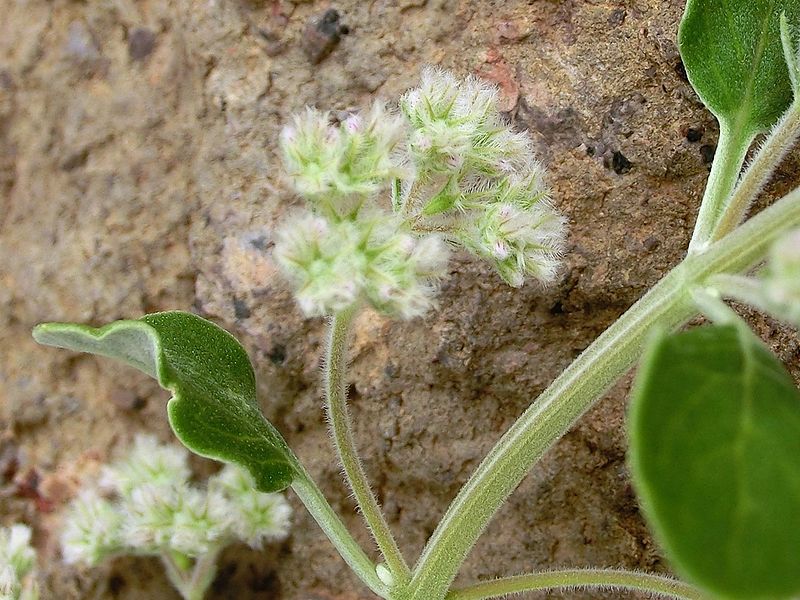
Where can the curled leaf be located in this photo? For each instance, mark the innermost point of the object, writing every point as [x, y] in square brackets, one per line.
[213, 410]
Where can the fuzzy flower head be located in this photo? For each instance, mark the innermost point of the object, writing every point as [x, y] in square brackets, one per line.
[335, 165]
[17, 561]
[148, 461]
[255, 517]
[336, 264]
[202, 520]
[518, 243]
[92, 529]
[457, 127]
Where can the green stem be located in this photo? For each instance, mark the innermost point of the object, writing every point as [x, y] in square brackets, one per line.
[203, 574]
[192, 585]
[728, 160]
[176, 575]
[339, 418]
[710, 304]
[740, 288]
[316, 504]
[759, 172]
[578, 578]
[666, 306]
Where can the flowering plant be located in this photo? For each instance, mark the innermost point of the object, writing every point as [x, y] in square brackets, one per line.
[714, 421]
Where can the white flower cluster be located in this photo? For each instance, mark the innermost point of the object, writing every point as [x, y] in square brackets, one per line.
[336, 166]
[145, 504]
[388, 193]
[337, 262]
[17, 561]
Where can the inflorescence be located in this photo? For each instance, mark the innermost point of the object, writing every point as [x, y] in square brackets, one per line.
[388, 194]
[145, 504]
[17, 563]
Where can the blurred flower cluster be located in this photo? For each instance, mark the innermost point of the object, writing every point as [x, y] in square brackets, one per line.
[782, 280]
[388, 195]
[17, 562]
[145, 504]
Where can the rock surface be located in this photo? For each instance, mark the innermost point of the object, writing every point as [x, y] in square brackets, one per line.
[138, 172]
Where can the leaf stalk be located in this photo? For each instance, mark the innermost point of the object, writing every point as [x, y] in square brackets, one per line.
[568, 579]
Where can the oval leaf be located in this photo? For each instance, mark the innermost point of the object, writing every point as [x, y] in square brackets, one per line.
[715, 458]
[734, 58]
[213, 410]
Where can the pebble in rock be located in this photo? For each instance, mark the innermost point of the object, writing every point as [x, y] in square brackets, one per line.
[322, 34]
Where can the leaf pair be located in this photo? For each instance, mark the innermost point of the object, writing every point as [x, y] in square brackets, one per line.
[213, 410]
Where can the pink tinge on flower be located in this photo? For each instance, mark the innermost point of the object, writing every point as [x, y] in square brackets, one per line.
[454, 161]
[406, 245]
[288, 134]
[353, 123]
[332, 134]
[421, 142]
[506, 211]
[387, 292]
[500, 250]
[319, 227]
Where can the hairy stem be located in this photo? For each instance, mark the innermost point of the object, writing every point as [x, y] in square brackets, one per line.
[758, 173]
[665, 306]
[728, 160]
[710, 304]
[579, 578]
[192, 584]
[203, 574]
[339, 418]
[740, 288]
[177, 576]
[355, 557]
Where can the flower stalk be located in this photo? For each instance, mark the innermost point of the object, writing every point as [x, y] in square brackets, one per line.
[341, 429]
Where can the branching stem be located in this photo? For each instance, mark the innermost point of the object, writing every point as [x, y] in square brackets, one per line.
[192, 584]
[665, 306]
[758, 173]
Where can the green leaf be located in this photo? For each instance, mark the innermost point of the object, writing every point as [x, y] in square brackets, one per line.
[734, 58]
[715, 458]
[213, 410]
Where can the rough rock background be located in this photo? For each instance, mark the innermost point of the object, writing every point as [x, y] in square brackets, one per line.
[138, 172]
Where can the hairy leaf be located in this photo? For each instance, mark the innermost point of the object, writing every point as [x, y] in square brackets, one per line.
[213, 410]
[715, 456]
[734, 58]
